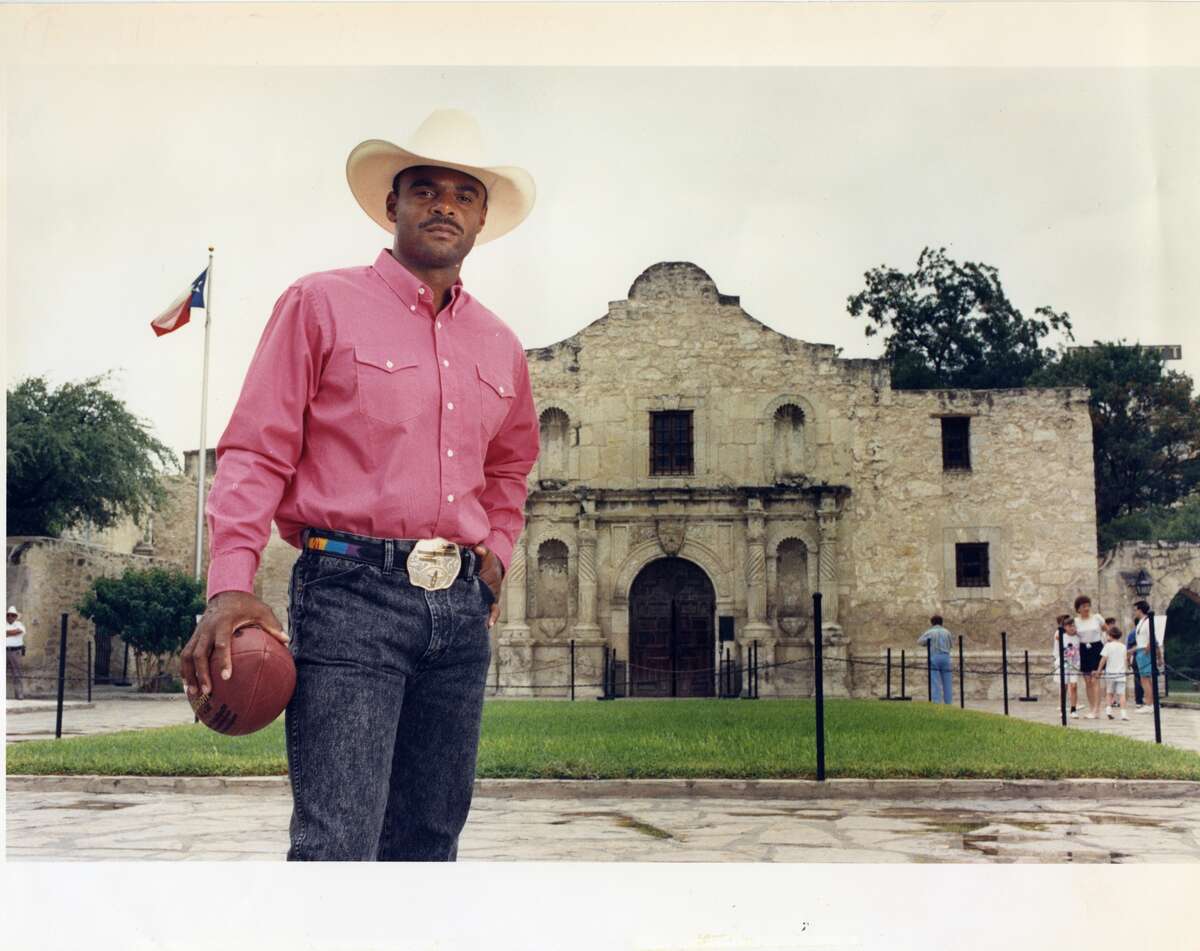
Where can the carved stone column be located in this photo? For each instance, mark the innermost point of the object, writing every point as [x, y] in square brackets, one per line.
[756, 627]
[827, 518]
[515, 626]
[586, 626]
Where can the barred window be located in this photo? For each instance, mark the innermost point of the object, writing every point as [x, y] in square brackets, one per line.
[956, 442]
[971, 565]
[671, 443]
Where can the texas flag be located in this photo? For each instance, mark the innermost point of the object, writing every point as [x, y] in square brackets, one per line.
[180, 311]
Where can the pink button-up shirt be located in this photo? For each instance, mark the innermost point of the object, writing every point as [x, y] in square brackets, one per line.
[365, 410]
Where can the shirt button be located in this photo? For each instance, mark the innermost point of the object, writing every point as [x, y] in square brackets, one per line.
[439, 325]
[412, 306]
[389, 364]
[449, 452]
[449, 498]
[420, 290]
[449, 406]
[501, 389]
[445, 363]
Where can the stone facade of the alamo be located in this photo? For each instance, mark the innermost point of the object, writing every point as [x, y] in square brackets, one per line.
[702, 472]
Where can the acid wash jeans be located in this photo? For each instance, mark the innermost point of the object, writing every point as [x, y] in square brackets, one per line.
[383, 729]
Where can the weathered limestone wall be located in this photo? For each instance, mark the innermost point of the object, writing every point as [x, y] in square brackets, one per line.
[861, 478]
[1172, 567]
[1023, 495]
[46, 578]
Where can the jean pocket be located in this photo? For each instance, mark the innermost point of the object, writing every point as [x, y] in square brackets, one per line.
[489, 596]
[322, 569]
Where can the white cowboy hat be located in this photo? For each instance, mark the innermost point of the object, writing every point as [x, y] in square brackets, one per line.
[449, 138]
[12, 610]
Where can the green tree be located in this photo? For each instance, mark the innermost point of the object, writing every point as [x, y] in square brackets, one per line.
[76, 454]
[1145, 431]
[950, 325]
[1163, 523]
[154, 611]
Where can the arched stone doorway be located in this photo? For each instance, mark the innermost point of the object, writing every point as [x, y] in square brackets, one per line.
[672, 606]
[1182, 643]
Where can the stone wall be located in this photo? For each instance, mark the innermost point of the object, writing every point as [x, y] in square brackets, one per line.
[46, 578]
[858, 484]
[1172, 567]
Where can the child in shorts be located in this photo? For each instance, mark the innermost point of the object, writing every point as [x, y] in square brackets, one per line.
[1070, 652]
[1112, 669]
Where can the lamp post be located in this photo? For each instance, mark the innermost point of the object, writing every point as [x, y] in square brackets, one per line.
[1142, 585]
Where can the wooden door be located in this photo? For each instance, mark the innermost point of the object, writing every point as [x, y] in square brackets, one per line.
[671, 630]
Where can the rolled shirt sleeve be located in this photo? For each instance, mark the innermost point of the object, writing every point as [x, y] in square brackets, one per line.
[258, 452]
[510, 458]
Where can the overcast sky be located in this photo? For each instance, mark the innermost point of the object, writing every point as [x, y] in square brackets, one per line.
[785, 185]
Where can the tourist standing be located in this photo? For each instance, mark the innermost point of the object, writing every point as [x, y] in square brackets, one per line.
[1112, 664]
[1069, 658]
[14, 644]
[941, 679]
[1091, 643]
[1141, 614]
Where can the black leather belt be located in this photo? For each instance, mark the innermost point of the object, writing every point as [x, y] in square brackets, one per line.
[390, 554]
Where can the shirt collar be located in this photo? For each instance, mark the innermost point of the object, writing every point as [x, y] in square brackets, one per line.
[414, 293]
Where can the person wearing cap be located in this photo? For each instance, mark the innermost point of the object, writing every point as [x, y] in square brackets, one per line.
[387, 426]
[14, 643]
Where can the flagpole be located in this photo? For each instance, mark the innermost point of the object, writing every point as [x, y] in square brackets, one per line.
[203, 454]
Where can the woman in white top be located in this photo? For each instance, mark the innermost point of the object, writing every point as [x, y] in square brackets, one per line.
[1091, 641]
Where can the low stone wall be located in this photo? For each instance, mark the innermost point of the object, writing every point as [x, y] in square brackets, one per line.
[46, 578]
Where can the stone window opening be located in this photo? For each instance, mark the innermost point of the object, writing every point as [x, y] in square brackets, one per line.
[972, 569]
[671, 444]
[956, 442]
[788, 441]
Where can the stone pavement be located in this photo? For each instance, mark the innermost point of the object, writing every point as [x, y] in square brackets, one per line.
[34, 719]
[251, 824]
[1180, 725]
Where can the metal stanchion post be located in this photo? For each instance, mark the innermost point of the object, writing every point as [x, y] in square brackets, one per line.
[1062, 674]
[1028, 698]
[1153, 680]
[89, 670]
[62, 676]
[1004, 666]
[888, 664]
[819, 683]
[572, 669]
[962, 679]
[604, 677]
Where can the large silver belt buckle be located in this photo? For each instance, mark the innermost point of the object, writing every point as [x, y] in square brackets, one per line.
[433, 564]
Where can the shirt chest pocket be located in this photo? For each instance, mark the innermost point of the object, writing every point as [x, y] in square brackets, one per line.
[389, 386]
[496, 397]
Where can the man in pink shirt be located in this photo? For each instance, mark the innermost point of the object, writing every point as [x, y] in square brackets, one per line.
[387, 426]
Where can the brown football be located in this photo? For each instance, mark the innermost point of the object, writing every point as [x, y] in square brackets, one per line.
[263, 679]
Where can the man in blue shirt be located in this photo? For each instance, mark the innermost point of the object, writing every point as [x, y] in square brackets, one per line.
[941, 686]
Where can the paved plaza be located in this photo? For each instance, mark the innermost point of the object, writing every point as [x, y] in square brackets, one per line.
[54, 819]
[251, 825]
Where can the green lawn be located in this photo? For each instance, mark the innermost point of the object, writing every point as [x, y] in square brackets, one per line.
[701, 738]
